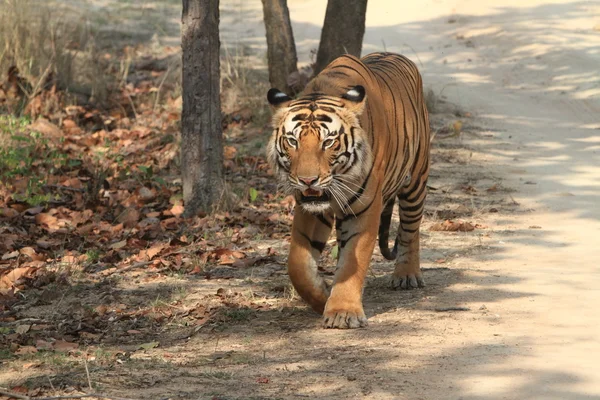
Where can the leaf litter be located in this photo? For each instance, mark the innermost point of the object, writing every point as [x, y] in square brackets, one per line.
[81, 245]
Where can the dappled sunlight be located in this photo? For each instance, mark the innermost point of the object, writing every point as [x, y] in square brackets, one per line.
[509, 310]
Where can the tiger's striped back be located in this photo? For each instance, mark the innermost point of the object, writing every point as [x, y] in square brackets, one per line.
[353, 144]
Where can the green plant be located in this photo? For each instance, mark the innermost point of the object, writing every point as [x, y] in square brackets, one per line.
[334, 252]
[26, 161]
[92, 255]
[238, 314]
[253, 195]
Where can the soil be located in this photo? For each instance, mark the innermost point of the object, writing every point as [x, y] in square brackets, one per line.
[510, 308]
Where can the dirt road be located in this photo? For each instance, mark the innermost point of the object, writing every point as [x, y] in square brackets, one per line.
[510, 309]
[528, 71]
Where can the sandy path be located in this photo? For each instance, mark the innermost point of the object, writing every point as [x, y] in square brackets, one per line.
[530, 74]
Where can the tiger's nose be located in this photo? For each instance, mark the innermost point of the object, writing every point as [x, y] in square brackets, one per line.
[308, 181]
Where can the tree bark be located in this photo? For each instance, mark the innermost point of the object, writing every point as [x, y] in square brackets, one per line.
[342, 32]
[281, 48]
[201, 134]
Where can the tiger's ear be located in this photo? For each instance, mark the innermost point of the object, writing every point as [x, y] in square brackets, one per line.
[277, 98]
[355, 97]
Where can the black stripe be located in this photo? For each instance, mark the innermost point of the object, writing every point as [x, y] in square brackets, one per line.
[361, 190]
[344, 242]
[300, 117]
[324, 221]
[409, 196]
[315, 244]
[410, 221]
[323, 117]
[352, 216]
[413, 208]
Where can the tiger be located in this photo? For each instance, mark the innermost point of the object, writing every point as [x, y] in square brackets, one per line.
[349, 147]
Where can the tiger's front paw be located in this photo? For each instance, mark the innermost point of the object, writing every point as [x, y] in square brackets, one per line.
[344, 317]
[410, 281]
[407, 276]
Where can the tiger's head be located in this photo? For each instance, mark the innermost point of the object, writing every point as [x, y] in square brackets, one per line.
[318, 148]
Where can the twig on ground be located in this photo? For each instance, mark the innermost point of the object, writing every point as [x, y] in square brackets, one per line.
[87, 372]
[12, 395]
[60, 187]
[444, 309]
[127, 268]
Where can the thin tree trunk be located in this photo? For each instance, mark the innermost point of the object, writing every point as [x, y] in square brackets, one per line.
[342, 32]
[201, 135]
[281, 48]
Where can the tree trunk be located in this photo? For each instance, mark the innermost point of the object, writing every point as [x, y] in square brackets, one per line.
[342, 32]
[201, 135]
[281, 48]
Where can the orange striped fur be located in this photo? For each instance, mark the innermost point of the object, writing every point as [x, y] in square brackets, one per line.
[350, 146]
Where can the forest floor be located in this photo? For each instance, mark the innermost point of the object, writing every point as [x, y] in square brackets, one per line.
[104, 288]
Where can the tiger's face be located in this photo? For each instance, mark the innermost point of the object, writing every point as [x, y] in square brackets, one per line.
[318, 147]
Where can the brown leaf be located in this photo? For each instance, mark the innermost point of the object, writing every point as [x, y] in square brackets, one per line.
[171, 223]
[149, 254]
[26, 350]
[22, 329]
[177, 210]
[129, 218]
[13, 277]
[30, 252]
[227, 256]
[8, 212]
[19, 389]
[452, 226]
[47, 128]
[246, 262]
[229, 152]
[101, 309]
[43, 345]
[13, 254]
[118, 245]
[64, 346]
[48, 221]
[30, 365]
[146, 194]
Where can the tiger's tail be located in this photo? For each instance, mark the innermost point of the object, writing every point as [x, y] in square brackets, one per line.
[384, 232]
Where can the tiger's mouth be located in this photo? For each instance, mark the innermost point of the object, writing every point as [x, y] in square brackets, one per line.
[314, 196]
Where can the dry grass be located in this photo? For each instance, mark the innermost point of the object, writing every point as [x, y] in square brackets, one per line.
[50, 45]
[243, 85]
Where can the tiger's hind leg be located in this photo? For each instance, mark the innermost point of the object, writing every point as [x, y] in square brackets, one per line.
[407, 273]
[309, 236]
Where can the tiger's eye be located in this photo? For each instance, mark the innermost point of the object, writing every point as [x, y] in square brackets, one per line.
[292, 142]
[327, 143]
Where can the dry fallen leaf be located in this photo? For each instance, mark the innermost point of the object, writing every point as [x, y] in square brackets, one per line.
[47, 220]
[148, 346]
[22, 329]
[177, 210]
[26, 350]
[229, 152]
[129, 217]
[64, 346]
[452, 226]
[12, 254]
[118, 245]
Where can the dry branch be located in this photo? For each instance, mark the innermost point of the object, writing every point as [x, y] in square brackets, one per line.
[12, 395]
